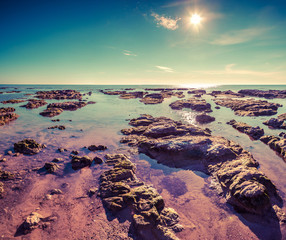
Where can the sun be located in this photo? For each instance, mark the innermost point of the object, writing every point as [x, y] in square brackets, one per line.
[196, 19]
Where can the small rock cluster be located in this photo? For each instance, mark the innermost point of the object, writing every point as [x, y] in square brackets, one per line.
[199, 105]
[28, 146]
[59, 94]
[265, 94]
[7, 115]
[34, 103]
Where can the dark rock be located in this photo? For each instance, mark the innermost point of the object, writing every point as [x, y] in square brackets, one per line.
[249, 107]
[34, 103]
[204, 118]
[275, 123]
[28, 146]
[96, 148]
[276, 144]
[254, 132]
[5, 175]
[55, 120]
[75, 152]
[60, 127]
[56, 191]
[62, 150]
[13, 101]
[132, 95]
[54, 109]
[57, 160]
[32, 221]
[59, 94]
[197, 91]
[153, 98]
[7, 115]
[98, 160]
[80, 162]
[51, 167]
[192, 103]
[265, 94]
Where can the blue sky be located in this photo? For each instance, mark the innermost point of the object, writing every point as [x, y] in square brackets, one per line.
[142, 42]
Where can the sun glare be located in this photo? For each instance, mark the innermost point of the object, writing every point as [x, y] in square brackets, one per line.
[196, 19]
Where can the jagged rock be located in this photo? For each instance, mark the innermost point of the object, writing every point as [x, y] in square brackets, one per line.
[254, 132]
[204, 118]
[32, 221]
[28, 146]
[51, 167]
[234, 168]
[96, 148]
[1, 190]
[59, 94]
[282, 116]
[80, 162]
[249, 107]
[266, 94]
[56, 191]
[152, 98]
[5, 175]
[57, 160]
[34, 103]
[276, 144]
[62, 150]
[275, 123]
[13, 101]
[192, 103]
[7, 115]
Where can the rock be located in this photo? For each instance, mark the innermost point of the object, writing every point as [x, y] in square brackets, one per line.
[75, 152]
[253, 132]
[7, 115]
[55, 120]
[1, 190]
[51, 112]
[282, 116]
[51, 167]
[5, 175]
[113, 92]
[3, 160]
[28, 146]
[57, 160]
[56, 191]
[192, 103]
[80, 162]
[54, 109]
[197, 91]
[204, 118]
[275, 123]
[235, 169]
[217, 107]
[96, 148]
[265, 94]
[153, 98]
[276, 144]
[132, 95]
[59, 94]
[98, 160]
[92, 191]
[32, 221]
[227, 93]
[249, 107]
[60, 127]
[62, 150]
[13, 101]
[34, 103]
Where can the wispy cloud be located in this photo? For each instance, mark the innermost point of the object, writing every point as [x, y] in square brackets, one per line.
[129, 53]
[166, 22]
[165, 69]
[240, 36]
[177, 3]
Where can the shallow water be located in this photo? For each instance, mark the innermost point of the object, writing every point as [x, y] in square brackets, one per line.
[204, 214]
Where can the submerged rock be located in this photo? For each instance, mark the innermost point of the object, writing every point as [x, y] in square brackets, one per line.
[7, 115]
[249, 107]
[235, 169]
[199, 105]
[96, 148]
[80, 162]
[60, 127]
[253, 132]
[28, 146]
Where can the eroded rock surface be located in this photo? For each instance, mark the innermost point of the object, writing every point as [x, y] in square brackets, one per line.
[59, 94]
[199, 105]
[180, 145]
[7, 115]
[249, 107]
[28, 146]
[204, 118]
[275, 123]
[80, 162]
[55, 109]
[13, 101]
[276, 144]
[51, 167]
[152, 98]
[265, 94]
[254, 132]
[119, 189]
[34, 103]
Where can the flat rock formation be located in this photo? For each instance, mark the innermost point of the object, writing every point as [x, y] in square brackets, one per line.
[184, 145]
[7, 115]
[59, 94]
[282, 116]
[108, 92]
[152, 98]
[197, 91]
[34, 103]
[54, 109]
[28, 146]
[13, 101]
[253, 132]
[60, 127]
[120, 189]
[249, 107]
[227, 93]
[265, 94]
[199, 105]
[275, 143]
[131, 95]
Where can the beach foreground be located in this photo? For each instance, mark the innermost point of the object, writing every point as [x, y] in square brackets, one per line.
[142, 162]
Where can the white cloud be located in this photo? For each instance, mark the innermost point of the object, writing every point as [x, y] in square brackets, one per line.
[166, 22]
[239, 36]
[129, 53]
[165, 69]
